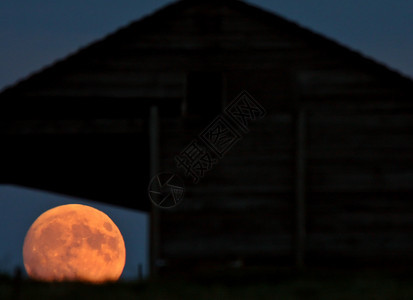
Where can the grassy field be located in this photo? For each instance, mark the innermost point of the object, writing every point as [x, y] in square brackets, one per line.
[319, 284]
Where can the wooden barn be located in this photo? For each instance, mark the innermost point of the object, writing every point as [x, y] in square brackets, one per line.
[325, 176]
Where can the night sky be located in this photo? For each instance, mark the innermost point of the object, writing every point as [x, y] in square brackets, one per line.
[34, 34]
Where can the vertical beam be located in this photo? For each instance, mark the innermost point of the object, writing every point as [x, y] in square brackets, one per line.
[300, 159]
[154, 234]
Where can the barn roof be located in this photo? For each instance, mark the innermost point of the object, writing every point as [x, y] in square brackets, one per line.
[160, 17]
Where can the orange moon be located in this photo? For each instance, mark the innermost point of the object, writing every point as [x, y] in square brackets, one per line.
[74, 242]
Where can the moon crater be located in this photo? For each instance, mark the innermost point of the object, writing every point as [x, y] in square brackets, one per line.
[74, 242]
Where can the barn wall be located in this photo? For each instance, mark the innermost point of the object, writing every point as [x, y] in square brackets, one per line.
[241, 208]
[360, 174]
[358, 150]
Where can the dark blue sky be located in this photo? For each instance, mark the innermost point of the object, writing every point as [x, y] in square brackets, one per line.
[33, 34]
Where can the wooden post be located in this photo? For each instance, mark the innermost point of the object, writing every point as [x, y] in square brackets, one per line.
[17, 283]
[154, 247]
[300, 158]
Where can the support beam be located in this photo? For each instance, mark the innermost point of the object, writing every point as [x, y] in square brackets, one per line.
[300, 184]
[154, 240]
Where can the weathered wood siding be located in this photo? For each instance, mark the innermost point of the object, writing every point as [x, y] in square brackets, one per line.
[360, 186]
[242, 207]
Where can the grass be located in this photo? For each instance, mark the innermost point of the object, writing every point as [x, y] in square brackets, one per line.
[254, 284]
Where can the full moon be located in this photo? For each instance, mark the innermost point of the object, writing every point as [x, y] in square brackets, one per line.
[74, 242]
